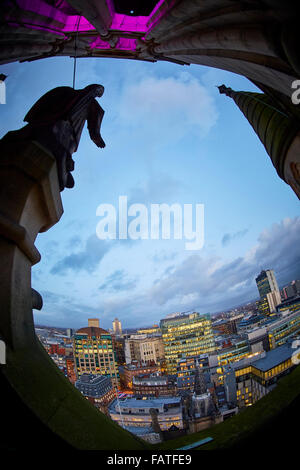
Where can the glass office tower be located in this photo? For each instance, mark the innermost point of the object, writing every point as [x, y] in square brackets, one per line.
[186, 335]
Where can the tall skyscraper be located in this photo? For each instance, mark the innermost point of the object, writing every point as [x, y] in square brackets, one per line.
[266, 282]
[184, 336]
[94, 354]
[269, 292]
[117, 327]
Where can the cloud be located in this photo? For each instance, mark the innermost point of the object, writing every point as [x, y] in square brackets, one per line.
[211, 284]
[168, 108]
[88, 259]
[229, 237]
[201, 282]
[156, 189]
[118, 281]
[74, 241]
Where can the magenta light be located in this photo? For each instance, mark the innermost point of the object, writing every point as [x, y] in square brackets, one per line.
[126, 44]
[97, 43]
[129, 23]
[69, 23]
[43, 9]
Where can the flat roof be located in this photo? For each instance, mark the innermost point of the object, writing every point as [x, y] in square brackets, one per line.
[274, 357]
[149, 403]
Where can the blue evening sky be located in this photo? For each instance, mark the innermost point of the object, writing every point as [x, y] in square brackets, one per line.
[170, 138]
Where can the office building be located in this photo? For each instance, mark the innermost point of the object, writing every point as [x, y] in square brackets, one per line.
[154, 385]
[144, 348]
[291, 290]
[128, 371]
[186, 373]
[69, 332]
[97, 389]
[132, 412]
[117, 327]
[266, 282]
[289, 305]
[94, 354]
[283, 328]
[226, 326]
[119, 348]
[150, 330]
[255, 377]
[93, 322]
[186, 335]
[70, 369]
[268, 291]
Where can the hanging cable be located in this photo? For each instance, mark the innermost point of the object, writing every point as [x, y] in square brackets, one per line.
[75, 51]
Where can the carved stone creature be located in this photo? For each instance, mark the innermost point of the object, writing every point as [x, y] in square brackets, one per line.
[56, 121]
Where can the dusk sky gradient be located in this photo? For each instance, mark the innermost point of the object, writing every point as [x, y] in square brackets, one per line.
[170, 138]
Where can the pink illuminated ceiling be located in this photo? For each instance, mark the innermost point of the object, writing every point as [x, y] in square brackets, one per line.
[62, 20]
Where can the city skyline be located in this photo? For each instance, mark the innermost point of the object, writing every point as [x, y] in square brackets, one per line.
[187, 154]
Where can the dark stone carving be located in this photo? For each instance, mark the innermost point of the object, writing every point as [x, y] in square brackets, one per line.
[37, 300]
[56, 121]
[224, 90]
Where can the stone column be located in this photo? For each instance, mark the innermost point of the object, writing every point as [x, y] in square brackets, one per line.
[30, 203]
[279, 132]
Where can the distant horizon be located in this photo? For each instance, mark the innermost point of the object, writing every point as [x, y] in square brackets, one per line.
[244, 304]
[36, 325]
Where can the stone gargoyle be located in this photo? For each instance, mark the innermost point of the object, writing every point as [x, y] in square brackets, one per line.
[56, 121]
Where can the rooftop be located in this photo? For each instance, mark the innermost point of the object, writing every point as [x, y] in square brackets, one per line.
[150, 402]
[92, 379]
[274, 357]
[91, 331]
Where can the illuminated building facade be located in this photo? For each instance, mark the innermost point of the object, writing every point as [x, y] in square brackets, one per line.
[144, 348]
[97, 389]
[284, 328]
[289, 305]
[240, 348]
[131, 412]
[128, 371]
[148, 331]
[184, 336]
[94, 354]
[256, 378]
[70, 369]
[154, 385]
[186, 373]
